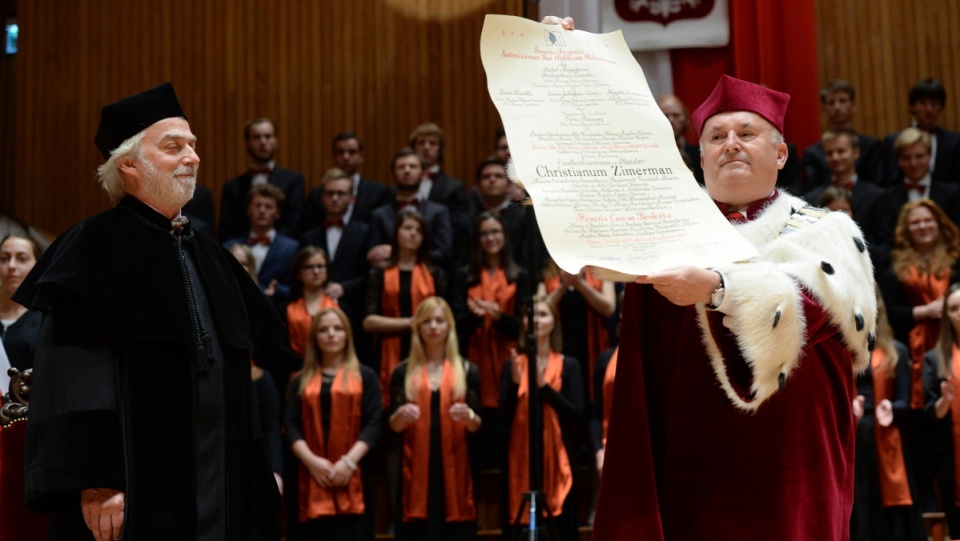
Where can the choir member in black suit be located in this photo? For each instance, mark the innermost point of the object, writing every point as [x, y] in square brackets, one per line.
[272, 250]
[345, 238]
[927, 99]
[428, 141]
[915, 180]
[838, 101]
[873, 213]
[407, 169]
[491, 194]
[261, 140]
[367, 194]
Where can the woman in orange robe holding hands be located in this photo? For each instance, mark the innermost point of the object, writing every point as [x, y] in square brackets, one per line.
[435, 396]
[333, 419]
[561, 393]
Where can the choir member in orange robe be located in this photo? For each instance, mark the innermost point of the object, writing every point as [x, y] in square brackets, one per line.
[585, 304]
[310, 278]
[603, 377]
[924, 262]
[435, 396]
[487, 298]
[940, 371]
[883, 497]
[561, 395]
[333, 419]
[394, 293]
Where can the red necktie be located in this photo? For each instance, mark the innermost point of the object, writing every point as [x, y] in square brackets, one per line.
[848, 185]
[327, 224]
[908, 187]
[254, 171]
[264, 240]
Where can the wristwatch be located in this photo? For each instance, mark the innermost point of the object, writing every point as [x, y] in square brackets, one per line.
[716, 296]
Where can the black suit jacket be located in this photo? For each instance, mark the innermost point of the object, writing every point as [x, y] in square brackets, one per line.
[944, 194]
[233, 204]
[200, 211]
[518, 234]
[370, 196]
[947, 164]
[438, 219]
[869, 165]
[873, 213]
[449, 192]
[348, 266]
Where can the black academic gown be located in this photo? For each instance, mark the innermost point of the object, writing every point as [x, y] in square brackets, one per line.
[125, 395]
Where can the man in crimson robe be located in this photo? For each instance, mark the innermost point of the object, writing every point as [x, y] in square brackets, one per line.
[732, 416]
[732, 408]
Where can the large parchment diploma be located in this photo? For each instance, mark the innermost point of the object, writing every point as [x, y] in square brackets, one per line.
[597, 155]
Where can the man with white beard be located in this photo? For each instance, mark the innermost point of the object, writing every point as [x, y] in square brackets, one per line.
[142, 415]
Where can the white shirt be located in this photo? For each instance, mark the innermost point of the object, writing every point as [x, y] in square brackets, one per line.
[261, 178]
[334, 234]
[912, 195]
[426, 184]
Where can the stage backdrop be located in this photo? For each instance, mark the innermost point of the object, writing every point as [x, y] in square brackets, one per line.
[381, 66]
[375, 67]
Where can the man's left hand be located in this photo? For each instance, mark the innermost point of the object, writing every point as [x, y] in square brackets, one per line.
[683, 286]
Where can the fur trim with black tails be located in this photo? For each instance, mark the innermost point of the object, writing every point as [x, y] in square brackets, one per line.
[823, 258]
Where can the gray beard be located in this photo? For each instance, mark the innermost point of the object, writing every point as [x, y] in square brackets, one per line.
[164, 188]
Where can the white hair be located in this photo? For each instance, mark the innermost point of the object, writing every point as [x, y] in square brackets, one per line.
[108, 174]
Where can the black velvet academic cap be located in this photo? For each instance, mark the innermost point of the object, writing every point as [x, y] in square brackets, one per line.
[123, 119]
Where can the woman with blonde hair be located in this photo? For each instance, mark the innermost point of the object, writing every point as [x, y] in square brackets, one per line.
[883, 506]
[561, 393]
[333, 419]
[435, 396]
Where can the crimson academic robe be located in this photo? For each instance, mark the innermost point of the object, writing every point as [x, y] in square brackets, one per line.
[747, 436]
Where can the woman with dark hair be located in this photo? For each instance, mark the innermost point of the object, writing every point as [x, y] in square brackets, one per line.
[309, 277]
[883, 506]
[940, 372]
[435, 395]
[19, 327]
[333, 419]
[394, 293]
[924, 260]
[561, 393]
[489, 294]
[836, 198]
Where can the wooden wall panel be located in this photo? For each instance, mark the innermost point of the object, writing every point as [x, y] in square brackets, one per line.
[883, 47]
[377, 67]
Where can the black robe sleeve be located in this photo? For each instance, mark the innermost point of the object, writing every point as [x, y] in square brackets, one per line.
[901, 385]
[371, 418]
[269, 404]
[899, 309]
[74, 436]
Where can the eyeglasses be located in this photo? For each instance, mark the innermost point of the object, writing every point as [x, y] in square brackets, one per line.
[318, 267]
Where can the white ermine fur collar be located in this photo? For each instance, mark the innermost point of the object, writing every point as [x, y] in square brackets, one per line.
[829, 260]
